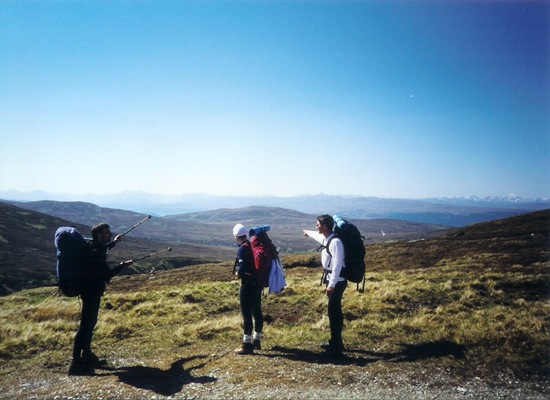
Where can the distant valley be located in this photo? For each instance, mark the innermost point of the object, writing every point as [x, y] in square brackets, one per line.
[27, 253]
[213, 228]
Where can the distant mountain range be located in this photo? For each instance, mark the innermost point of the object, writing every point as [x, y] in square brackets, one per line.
[449, 211]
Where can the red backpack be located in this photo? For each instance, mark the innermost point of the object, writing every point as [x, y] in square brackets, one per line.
[263, 252]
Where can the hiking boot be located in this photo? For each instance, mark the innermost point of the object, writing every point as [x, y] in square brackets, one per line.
[246, 348]
[79, 368]
[257, 344]
[331, 343]
[334, 351]
[93, 361]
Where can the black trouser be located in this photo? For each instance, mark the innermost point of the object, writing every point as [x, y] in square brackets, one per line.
[335, 315]
[251, 306]
[88, 320]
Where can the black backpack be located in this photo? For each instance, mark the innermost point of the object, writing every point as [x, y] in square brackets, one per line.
[70, 245]
[354, 250]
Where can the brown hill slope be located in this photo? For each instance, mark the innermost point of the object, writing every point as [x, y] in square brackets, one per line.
[27, 252]
[521, 241]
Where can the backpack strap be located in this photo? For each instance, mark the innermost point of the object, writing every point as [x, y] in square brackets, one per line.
[236, 265]
[326, 246]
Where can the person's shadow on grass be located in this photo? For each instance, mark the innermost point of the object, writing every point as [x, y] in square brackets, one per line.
[408, 353]
[164, 382]
[314, 357]
[420, 351]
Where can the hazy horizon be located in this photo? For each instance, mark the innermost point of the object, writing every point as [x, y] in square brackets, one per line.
[21, 195]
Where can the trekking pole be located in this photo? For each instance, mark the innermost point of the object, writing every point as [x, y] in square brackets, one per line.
[152, 254]
[323, 277]
[136, 225]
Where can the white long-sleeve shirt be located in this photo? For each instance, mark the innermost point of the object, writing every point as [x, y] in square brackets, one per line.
[333, 263]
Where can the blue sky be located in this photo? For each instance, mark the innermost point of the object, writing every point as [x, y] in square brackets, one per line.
[405, 99]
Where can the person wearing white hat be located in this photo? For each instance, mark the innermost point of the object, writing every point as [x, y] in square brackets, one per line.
[250, 294]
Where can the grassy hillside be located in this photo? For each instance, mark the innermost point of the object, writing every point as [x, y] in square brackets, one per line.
[465, 315]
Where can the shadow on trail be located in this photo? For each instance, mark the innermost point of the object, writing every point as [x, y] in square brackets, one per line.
[409, 353]
[164, 382]
[420, 351]
[317, 357]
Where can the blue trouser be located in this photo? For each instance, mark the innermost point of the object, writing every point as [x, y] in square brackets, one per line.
[335, 315]
[251, 307]
[88, 320]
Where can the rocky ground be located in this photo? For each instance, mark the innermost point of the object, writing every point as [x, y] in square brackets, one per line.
[273, 373]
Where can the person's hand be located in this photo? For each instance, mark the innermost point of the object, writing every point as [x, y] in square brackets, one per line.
[329, 290]
[305, 234]
[118, 238]
[126, 263]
